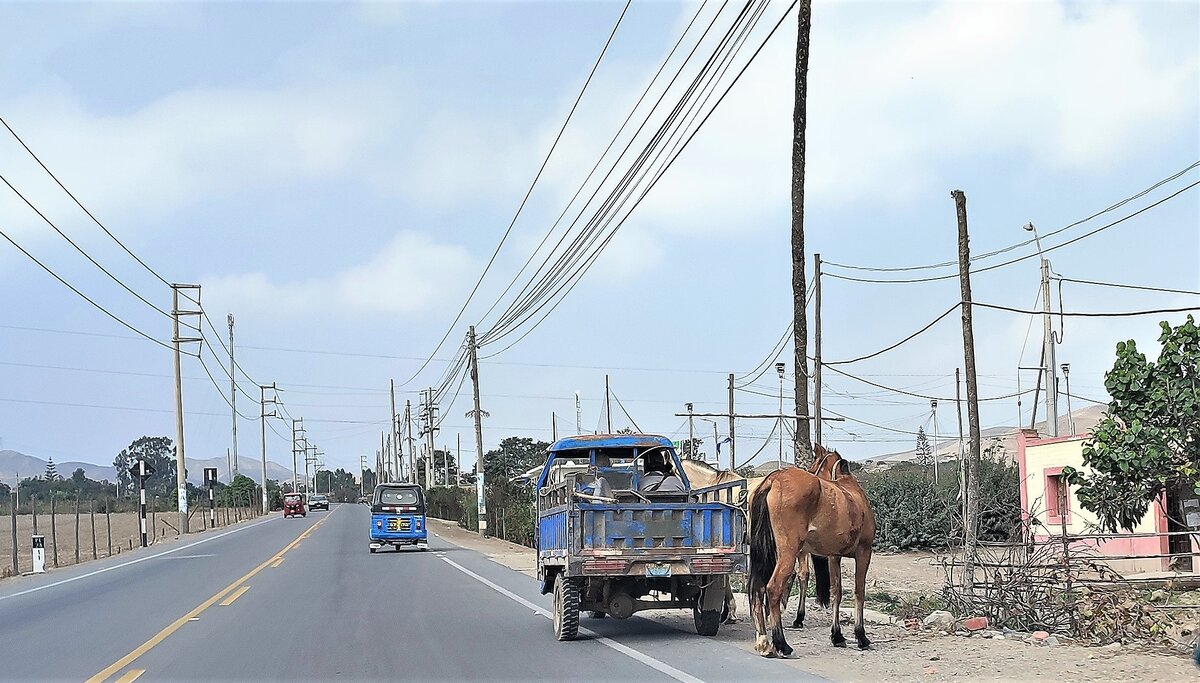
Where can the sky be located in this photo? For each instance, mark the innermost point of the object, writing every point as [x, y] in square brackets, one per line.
[337, 176]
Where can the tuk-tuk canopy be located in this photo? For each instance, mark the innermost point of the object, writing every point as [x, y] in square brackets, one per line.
[611, 452]
[399, 494]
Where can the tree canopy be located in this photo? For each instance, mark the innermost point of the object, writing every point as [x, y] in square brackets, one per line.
[159, 453]
[515, 455]
[1149, 439]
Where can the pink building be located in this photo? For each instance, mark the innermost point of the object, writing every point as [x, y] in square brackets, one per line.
[1049, 504]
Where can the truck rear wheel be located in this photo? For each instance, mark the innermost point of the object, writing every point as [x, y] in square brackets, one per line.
[708, 622]
[566, 608]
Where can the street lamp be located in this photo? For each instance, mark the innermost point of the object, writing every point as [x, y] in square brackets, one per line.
[1066, 369]
[779, 368]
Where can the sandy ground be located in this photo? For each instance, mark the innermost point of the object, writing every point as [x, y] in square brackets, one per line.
[121, 527]
[899, 654]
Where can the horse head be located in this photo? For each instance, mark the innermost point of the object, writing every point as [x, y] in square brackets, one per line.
[828, 464]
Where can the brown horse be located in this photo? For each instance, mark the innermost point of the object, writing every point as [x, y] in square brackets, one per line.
[795, 512]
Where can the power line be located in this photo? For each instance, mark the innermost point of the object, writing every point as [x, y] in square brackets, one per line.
[81, 206]
[1019, 258]
[81, 250]
[83, 296]
[1125, 286]
[889, 348]
[1090, 314]
[525, 199]
[569, 263]
[1011, 247]
[947, 399]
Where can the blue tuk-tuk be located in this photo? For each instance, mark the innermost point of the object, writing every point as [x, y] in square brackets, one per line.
[398, 516]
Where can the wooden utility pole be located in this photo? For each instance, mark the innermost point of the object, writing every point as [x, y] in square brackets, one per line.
[971, 521]
[478, 415]
[553, 428]
[803, 442]
[962, 460]
[732, 441]
[816, 422]
[263, 415]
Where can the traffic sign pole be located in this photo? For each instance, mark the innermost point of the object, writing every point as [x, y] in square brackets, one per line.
[142, 499]
[210, 478]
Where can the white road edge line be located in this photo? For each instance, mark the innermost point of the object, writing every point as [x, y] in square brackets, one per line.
[131, 562]
[642, 657]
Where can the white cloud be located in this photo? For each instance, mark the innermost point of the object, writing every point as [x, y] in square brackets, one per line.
[409, 275]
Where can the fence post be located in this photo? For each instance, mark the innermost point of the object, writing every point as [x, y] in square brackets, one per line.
[76, 527]
[92, 514]
[154, 519]
[108, 524]
[33, 508]
[12, 508]
[53, 533]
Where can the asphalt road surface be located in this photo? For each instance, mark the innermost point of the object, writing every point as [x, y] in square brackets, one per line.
[303, 599]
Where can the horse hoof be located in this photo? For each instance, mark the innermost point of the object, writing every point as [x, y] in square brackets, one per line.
[785, 652]
[838, 640]
[799, 623]
[864, 644]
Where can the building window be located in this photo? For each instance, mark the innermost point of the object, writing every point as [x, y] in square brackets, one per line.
[1058, 497]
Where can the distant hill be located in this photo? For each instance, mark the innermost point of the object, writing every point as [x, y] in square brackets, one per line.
[1001, 440]
[14, 463]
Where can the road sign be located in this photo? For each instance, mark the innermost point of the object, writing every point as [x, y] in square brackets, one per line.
[141, 469]
[39, 554]
[210, 474]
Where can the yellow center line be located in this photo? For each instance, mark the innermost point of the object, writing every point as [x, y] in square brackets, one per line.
[276, 563]
[178, 623]
[236, 594]
[131, 676]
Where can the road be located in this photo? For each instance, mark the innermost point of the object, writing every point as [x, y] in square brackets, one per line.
[302, 599]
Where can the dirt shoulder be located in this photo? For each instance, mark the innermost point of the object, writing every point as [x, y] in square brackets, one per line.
[897, 653]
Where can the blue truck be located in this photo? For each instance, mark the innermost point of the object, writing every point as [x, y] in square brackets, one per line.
[621, 530]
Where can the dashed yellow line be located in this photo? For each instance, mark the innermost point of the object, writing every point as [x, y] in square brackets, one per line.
[236, 594]
[178, 623]
[131, 676]
[276, 563]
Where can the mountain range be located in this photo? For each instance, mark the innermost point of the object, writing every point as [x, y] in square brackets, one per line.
[14, 464]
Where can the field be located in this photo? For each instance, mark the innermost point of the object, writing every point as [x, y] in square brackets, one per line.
[113, 534]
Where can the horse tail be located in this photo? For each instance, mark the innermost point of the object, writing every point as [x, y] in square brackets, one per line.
[763, 553]
[821, 572]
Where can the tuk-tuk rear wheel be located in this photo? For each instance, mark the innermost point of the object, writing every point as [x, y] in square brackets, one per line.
[566, 608]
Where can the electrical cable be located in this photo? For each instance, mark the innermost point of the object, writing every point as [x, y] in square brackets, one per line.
[1090, 314]
[1019, 258]
[1125, 286]
[525, 199]
[81, 206]
[893, 346]
[83, 296]
[1009, 248]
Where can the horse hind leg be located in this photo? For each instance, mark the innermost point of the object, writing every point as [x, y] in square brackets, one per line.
[835, 584]
[784, 567]
[730, 616]
[758, 596]
[862, 560]
[802, 598]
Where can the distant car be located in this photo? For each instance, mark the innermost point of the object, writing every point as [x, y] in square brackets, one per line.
[293, 504]
[318, 503]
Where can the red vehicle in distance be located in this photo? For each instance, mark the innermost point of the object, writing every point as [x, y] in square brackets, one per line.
[293, 504]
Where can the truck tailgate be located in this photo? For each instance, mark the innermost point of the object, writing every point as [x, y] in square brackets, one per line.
[685, 527]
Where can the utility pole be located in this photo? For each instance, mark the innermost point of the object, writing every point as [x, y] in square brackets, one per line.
[477, 413]
[933, 415]
[262, 422]
[232, 397]
[962, 461]
[362, 472]
[816, 422]
[458, 460]
[799, 286]
[1066, 370]
[180, 457]
[970, 533]
[553, 427]
[691, 432]
[295, 450]
[1048, 342]
[578, 415]
[430, 422]
[607, 404]
[392, 422]
[228, 469]
[779, 368]
[412, 454]
[732, 441]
